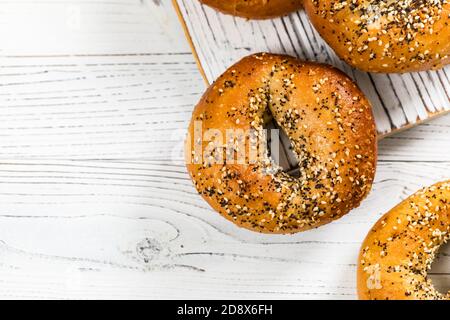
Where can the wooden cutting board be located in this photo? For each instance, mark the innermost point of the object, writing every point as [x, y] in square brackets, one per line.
[399, 100]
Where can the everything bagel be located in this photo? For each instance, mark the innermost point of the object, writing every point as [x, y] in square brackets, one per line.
[385, 35]
[255, 9]
[400, 248]
[328, 120]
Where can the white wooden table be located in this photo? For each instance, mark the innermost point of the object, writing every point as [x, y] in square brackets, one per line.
[95, 202]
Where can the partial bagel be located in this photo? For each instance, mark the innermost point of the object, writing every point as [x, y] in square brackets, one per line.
[398, 251]
[386, 35]
[331, 127]
[255, 9]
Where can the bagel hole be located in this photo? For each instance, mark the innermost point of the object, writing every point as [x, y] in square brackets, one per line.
[440, 269]
[280, 149]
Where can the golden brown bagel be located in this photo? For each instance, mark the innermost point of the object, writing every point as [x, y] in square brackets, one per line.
[255, 9]
[385, 35]
[331, 127]
[400, 248]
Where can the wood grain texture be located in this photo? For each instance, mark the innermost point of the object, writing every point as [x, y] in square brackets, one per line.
[86, 221]
[220, 40]
[95, 201]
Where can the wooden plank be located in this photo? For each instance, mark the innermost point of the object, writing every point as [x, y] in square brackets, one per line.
[91, 107]
[137, 229]
[74, 27]
[127, 106]
[399, 101]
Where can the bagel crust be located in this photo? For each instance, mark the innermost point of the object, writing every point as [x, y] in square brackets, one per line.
[331, 127]
[400, 248]
[385, 35]
[255, 9]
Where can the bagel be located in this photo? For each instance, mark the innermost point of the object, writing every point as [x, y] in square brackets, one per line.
[331, 127]
[400, 248]
[255, 9]
[385, 35]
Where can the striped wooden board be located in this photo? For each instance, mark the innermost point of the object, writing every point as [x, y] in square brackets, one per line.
[399, 101]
